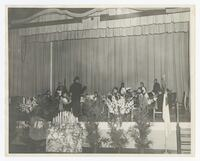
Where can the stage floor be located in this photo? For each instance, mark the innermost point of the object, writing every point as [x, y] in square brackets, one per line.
[157, 136]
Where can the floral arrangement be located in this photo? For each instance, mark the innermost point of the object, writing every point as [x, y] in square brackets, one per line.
[64, 117]
[119, 106]
[65, 137]
[28, 105]
[91, 98]
[22, 124]
[48, 103]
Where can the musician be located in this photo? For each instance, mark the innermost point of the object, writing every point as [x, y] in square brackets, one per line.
[156, 87]
[76, 90]
[115, 93]
[64, 102]
[163, 84]
[59, 90]
[142, 89]
[122, 89]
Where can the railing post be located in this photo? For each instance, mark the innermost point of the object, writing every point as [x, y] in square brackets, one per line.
[178, 130]
[51, 68]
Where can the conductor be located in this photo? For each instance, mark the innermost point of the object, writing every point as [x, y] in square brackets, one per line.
[76, 90]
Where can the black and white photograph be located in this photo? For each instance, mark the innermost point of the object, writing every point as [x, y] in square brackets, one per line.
[100, 80]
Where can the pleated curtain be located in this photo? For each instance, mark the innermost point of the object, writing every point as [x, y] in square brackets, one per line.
[29, 68]
[103, 63]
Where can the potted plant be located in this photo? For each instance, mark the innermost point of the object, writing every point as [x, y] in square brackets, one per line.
[141, 130]
[118, 138]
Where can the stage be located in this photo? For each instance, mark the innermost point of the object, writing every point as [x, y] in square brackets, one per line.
[157, 137]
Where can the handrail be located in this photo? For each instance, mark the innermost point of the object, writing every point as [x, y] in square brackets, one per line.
[178, 130]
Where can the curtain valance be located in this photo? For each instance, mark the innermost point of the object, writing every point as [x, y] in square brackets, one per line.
[111, 32]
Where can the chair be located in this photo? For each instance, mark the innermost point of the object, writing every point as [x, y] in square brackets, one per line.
[172, 98]
[155, 112]
[158, 110]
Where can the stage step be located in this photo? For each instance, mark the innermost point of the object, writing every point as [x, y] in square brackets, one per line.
[185, 140]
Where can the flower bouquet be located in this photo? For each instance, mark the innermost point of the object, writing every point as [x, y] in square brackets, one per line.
[119, 106]
[65, 137]
[28, 105]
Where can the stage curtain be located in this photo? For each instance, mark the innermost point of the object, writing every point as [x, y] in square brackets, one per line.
[103, 63]
[29, 67]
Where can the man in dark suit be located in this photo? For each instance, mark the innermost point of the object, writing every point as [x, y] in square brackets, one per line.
[75, 91]
[156, 87]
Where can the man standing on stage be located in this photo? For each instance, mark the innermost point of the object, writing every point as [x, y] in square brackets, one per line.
[75, 91]
[156, 87]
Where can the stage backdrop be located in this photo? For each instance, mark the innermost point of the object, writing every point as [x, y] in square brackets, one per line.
[102, 53]
[29, 67]
[103, 63]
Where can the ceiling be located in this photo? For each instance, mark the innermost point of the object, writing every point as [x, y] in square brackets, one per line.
[21, 13]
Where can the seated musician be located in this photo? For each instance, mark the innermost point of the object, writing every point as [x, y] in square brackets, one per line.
[95, 96]
[129, 93]
[122, 89]
[66, 100]
[142, 89]
[115, 93]
[59, 90]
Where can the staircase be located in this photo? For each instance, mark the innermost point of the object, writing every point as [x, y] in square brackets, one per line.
[185, 140]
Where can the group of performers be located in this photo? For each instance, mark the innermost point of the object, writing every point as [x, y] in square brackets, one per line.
[70, 100]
